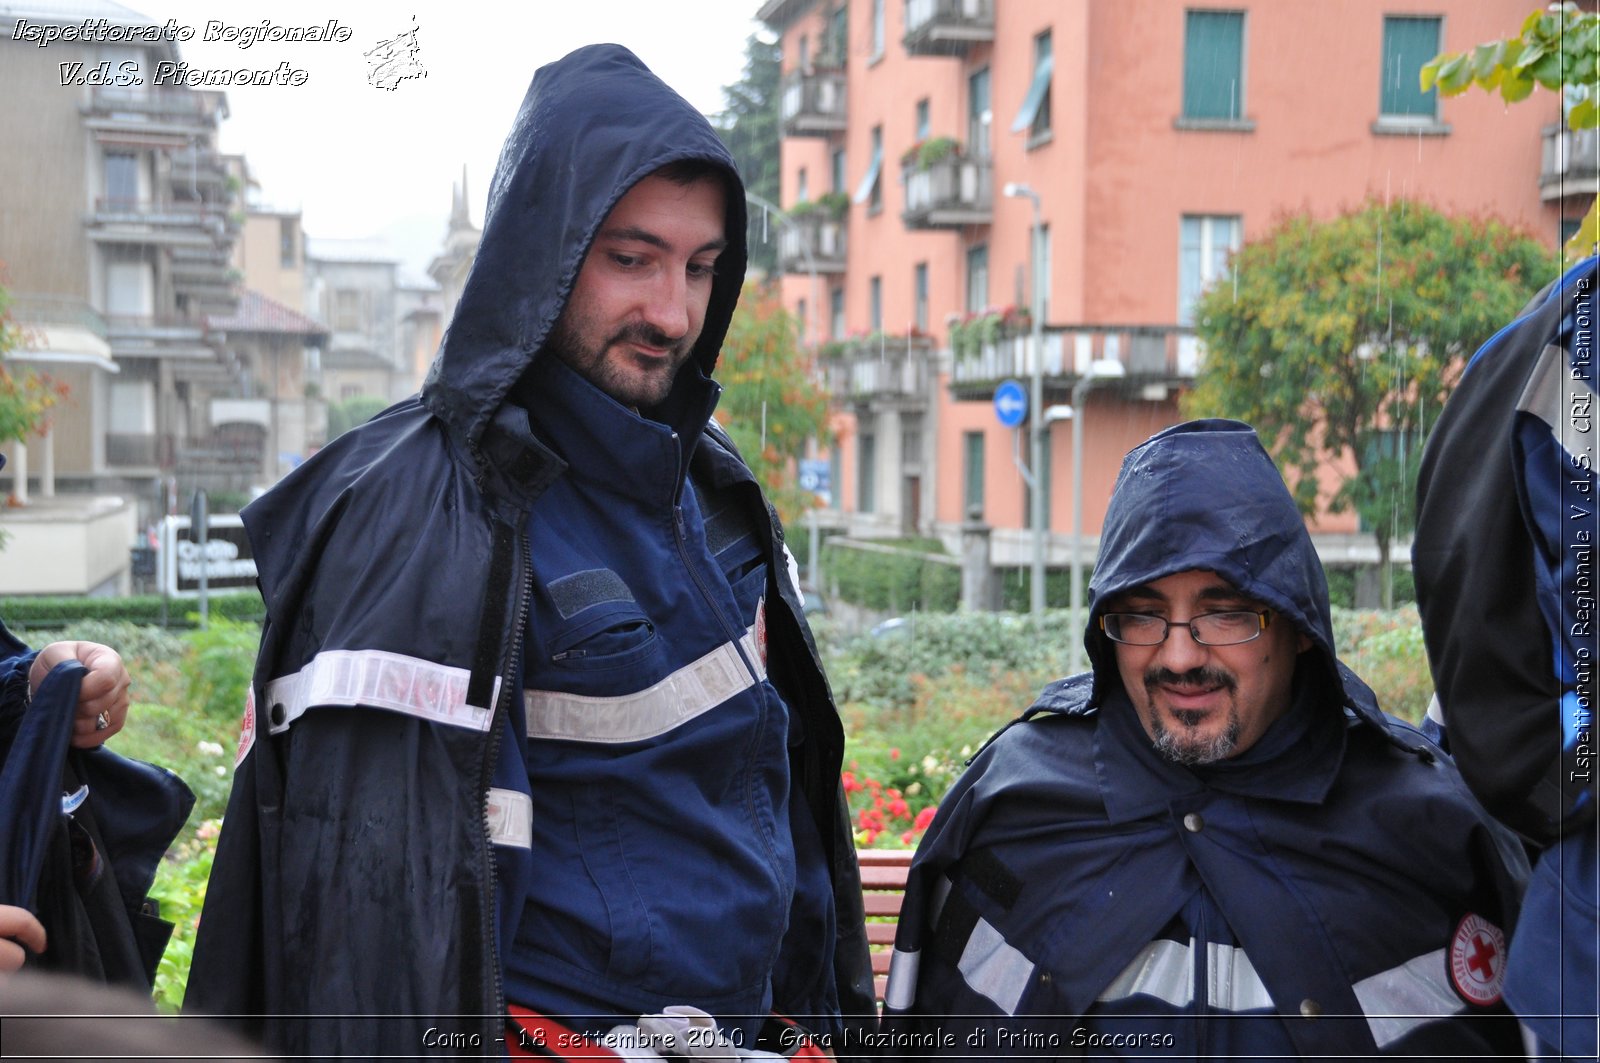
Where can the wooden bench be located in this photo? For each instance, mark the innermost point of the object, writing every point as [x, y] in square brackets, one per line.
[883, 888]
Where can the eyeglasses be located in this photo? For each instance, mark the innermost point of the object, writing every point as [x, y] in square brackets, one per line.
[1208, 629]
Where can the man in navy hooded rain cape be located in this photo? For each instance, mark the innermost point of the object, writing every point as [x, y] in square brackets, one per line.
[536, 719]
[1214, 845]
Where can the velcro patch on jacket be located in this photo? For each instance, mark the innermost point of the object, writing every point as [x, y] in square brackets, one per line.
[509, 817]
[573, 594]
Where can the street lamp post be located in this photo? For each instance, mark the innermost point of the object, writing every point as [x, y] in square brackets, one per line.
[1037, 428]
[1100, 369]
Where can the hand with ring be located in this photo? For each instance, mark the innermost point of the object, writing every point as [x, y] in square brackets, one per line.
[103, 696]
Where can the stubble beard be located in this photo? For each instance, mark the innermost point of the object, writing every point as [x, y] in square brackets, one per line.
[620, 378]
[1184, 746]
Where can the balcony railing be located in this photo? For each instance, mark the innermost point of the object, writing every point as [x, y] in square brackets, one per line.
[129, 448]
[812, 241]
[894, 368]
[812, 104]
[1148, 354]
[1570, 163]
[947, 27]
[948, 194]
[184, 105]
[160, 221]
[28, 309]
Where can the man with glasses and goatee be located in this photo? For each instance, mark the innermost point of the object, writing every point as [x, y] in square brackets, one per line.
[1214, 844]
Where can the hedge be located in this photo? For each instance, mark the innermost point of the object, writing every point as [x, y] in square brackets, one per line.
[898, 582]
[20, 614]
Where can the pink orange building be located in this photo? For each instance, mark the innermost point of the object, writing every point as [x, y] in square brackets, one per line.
[1157, 136]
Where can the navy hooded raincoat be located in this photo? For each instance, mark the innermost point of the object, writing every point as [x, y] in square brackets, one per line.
[461, 782]
[1332, 891]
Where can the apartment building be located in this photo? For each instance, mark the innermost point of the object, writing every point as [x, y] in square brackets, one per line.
[947, 162]
[117, 219]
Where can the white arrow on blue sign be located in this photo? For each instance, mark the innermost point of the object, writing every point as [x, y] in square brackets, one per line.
[1010, 403]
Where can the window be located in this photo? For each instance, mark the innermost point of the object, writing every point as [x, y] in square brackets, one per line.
[1035, 113]
[130, 284]
[875, 304]
[347, 310]
[911, 439]
[1213, 65]
[122, 179]
[978, 114]
[924, 120]
[133, 408]
[288, 249]
[877, 29]
[836, 314]
[919, 296]
[972, 473]
[977, 279]
[803, 54]
[836, 42]
[1204, 247]
[802, 189]
[866, 471]
[1407, 44]
[837, 173]
[870, 190]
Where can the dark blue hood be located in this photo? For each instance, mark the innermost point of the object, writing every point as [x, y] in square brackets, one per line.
[1205, 495]
[591, 125]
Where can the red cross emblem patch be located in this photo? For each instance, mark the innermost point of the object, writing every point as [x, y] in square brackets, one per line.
[247, 727]
[1478, 960]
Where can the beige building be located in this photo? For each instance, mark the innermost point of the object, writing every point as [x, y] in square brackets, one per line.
[117, 221]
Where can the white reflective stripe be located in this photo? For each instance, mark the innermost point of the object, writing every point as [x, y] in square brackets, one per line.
[993, 968]
[1562, 403]
[509, 817]
[1234, 984]
[691, 691]
[1163, 969]
[901, 992]
[381, 680]
[1402, 998]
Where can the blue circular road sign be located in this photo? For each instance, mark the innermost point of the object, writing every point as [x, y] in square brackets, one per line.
[1011, 403]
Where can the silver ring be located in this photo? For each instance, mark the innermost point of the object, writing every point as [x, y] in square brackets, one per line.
[101, 722]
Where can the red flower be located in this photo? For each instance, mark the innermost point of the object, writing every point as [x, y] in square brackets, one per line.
[894, 754]
[925, 817]
[851, 783]
[899, 809]
[906, 837]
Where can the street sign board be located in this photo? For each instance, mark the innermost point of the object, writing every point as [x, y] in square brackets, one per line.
[225, 554]
[1011, 403]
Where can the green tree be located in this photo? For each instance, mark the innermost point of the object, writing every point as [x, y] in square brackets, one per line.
[1342, 339]
[26, 396]
[749, 127]
[343, 416]
[771, 403]
[1559, 48]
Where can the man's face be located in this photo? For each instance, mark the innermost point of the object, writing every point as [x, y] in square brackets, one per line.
[640, 299]
[1201, 704]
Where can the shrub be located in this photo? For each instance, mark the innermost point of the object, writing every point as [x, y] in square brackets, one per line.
[28, 614]
[1386, 650]
[900, 582]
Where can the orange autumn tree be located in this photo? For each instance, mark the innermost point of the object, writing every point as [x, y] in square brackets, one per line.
[772, 402]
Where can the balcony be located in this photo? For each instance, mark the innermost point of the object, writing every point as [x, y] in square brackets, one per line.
[812, 104]
[156, 112]
[147, 336]
[947, 27]
[1154, 357]
[883, 371]
[166, 222]
[1570, 163]
[139, 450]
[814, 241]
[948, 194]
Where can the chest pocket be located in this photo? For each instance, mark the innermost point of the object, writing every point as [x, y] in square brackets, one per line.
[734, 541]
[600, 624]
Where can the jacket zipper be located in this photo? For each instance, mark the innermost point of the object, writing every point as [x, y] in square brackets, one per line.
[497, 1012]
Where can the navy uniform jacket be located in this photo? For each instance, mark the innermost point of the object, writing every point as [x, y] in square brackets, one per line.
[1332, 891]
[376, 864]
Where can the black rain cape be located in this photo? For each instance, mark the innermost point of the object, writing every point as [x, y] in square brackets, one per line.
[352, 904]
[1319, 877]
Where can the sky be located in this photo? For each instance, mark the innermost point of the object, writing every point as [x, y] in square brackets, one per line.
[360, 160]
